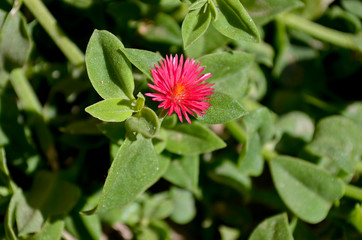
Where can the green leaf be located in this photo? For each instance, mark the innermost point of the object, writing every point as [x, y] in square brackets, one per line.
[264, 52]
[112, 110]
[165, 30]
[258, 83]
[49, 196]
[192, 139]
[355, 217]
[259, 121]
[223, 109]
[263, 11]
[307, 190]
[338, 140]
[81, 226]
[159, 206]
[228, 173]
[252, 163]
[203, 45]
[354, 112]
[145, 122]
[134, 169]
[228, 233]
[5, 179]
[229, 71]
[15, 42]
[114, 131]
[184, 172]
[234, 21]
[313, 9]
[297, 124]
[142, 59]
[197, 5]
[109, 70]
[52, 229]
[10, 215]
[195, 24]
[184, 206]
[87, 127]
[292, 131]
[353, 6]
[273, 228]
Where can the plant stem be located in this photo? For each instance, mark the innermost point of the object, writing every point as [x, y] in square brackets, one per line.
[319, 103]
[33, 109]
[49, 23]
[346, 40]
[237, 131]
[268, 154]
[353, 192]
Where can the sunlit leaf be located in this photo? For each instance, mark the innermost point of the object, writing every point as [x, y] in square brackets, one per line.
[109, 70]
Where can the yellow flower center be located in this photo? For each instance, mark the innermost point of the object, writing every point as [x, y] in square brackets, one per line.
[178, 91]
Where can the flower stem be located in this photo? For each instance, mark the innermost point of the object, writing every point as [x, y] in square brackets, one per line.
[353, 192]
[342, 39]
[49, 23]
[237, 131]
[33, 109]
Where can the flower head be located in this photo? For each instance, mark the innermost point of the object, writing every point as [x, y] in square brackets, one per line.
[180, 87]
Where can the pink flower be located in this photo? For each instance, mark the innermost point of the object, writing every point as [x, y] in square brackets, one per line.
[180, 87]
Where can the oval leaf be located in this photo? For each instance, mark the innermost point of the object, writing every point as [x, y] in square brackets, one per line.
[184, 206]
[307, 190]
[135, 168]
[112, 110]
[269, 9]
[223, 109]
[194, 25]
[229, 71]
[234, 21]
[108, 69]
[142, 59]
[184, 172]
[145, 122]
[273, 228]
[15, 42]
[192, 139]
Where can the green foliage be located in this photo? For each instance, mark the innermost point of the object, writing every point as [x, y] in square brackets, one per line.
[135, 160]
[193, 139]
[86, 154]
[104, 59]
[273, 228]
[300, 183]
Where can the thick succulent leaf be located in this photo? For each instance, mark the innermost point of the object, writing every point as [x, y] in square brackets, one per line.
[135, 168]
[192, 139]
[263, 11]
[184, 206]
[273, 228]
[223, 109]
[234, 21]
[112, 110]
[142, 59]
[229, 71]
[49, 196]
[109, 70]
[145, 122]
[195, 25]
[338, 140]
[184, 172]
[306, 189]
[15, 42]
